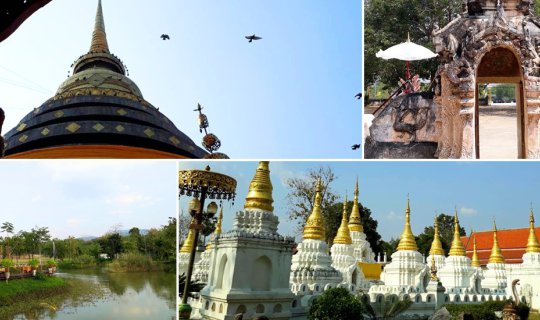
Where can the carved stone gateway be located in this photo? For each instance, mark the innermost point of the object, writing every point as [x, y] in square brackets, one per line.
[493, 42]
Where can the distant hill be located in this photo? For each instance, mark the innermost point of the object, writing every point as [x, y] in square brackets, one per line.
[122, 233]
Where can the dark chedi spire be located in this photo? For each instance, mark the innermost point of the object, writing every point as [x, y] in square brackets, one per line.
[99, 55]
[99, 37]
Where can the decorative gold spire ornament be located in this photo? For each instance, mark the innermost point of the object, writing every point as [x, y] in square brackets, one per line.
[496, 254]
[99, 37]
[355, 221]
[188, 243]
[260, 189]
[532, 243]
[343, 235]
[436, 245]
[407, 241]
[475, 262]
[314, 228]
[217, 231]
[457, 246]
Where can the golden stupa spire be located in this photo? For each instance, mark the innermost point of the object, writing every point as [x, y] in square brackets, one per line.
[343, 235]
[99, 37]
[314, 228]
[260, 189]
[532, 243]
[475, 262]
[217, 231]
[188, 243]
[436, 245]
[355, 221]
[457, 246]
[496, 254]
[407, 241]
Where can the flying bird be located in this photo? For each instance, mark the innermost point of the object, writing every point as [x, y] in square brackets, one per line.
[358, 96]
[253, 37]
[356, 146]
[165, 37]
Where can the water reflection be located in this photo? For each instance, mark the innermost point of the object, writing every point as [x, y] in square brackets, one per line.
[127, 296]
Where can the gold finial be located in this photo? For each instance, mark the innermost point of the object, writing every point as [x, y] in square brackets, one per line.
[457, 246]
[532, 243]
[188, 243]
[314, 228]
[436, 245]
[217, 231]
[407, 241]
[99, 37]
[475, 262]
[260, 189]
[496, 254]
[355, 221]
[343, 235]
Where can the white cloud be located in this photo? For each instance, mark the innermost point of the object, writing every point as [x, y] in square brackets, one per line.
[130, 199]
[73, 222]
[392, 216]
[468, 211]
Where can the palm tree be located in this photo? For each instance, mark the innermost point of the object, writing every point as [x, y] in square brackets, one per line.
[387, 310]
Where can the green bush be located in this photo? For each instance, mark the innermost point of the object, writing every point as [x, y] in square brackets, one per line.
[336, 303]
[485, 311]
[33, 263]
[81, 262]
[134, 262]
[7, 263]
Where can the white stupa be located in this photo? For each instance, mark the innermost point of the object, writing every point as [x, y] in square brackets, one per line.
[362, 248]
[250, 265]
[311, 270]
[342, 255]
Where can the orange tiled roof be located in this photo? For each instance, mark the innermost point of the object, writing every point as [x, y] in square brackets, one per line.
[512, 242]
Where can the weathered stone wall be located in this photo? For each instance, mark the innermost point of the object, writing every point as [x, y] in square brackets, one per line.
[405, 128]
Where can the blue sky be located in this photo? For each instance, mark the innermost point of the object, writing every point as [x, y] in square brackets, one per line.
[290, 95]
[87, 197]
[480, 191]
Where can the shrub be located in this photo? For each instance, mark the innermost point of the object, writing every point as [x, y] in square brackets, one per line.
[134, 262]
[7, 263]
[51, 263]
[336, 303]
[33, 263]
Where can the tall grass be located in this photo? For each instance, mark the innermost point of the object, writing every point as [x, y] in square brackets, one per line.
[134, 262]
[81, 262]
[30, 288]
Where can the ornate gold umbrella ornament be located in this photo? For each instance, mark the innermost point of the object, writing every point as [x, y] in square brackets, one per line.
[201, 184]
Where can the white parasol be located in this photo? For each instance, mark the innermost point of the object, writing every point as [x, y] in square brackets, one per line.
[406, 51]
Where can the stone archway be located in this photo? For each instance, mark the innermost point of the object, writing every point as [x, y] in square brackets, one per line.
[500, 65]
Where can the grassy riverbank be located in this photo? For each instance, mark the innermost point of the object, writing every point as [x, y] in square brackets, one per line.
[35, 298]
[30, 288]
[133, 262]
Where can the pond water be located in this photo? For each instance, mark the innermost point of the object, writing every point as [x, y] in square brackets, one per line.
[149, 295]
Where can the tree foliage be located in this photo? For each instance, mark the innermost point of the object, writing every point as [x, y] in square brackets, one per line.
[387, 23]
[336, 303]
[446, 233]
[386, 309]
[301, 196]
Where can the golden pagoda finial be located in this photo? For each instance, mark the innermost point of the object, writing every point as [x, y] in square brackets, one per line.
[496, 254]
[355, 221]
[457, 246]
[99, 37]
[343, 235]
[260, 189]
[407, 241]
[188, 243]
[217, 231]
[532, 243]
[436, 245]
[475, 262]
[314, 228]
